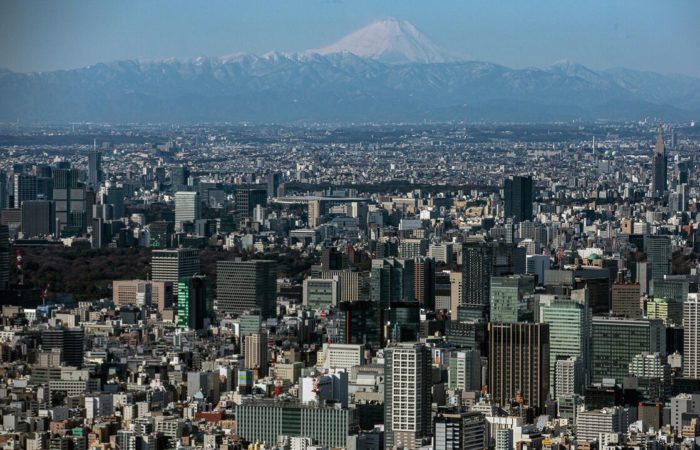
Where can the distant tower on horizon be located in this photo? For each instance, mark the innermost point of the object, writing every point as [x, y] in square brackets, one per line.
[94, 165]
[659, 165]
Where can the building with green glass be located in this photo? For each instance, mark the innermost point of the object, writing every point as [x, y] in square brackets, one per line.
[507, 295]
[192, 302]
[615, 341]
[569, 332]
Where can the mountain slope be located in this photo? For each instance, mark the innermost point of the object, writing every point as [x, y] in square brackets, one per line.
[391, 41]
[339, 87]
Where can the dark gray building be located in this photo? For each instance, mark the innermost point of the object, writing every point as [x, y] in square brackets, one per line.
[246, 285]
[518, 194]
[38, 218]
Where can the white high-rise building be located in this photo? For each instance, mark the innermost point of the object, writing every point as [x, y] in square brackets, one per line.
[691, 337]
[407, 399]
[187, 207]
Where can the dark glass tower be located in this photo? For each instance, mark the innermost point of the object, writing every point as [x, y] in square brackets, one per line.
[518, 194]
[659, 165]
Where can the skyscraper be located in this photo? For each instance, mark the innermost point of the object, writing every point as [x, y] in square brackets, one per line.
[247, 200]
[94, 167]
[392, 280]
[659, 182]
[425, 282]
[192, 302]
[246, 285]
[172, 265]
[69, 195]
[506, 297]
[38, 218]
[658, 250]
[273, 182]
[519, 363]
[407, 398]
[179, 178]
[477, 264]
[187, 207]
[25, 188]
[691, 337]
[4, 256]
[3, 190]
[518, 194]
[615, 341]
[569, 334]
[114, 195]
[255, 353]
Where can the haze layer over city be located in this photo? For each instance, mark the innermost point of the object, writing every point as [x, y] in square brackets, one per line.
[237, 225]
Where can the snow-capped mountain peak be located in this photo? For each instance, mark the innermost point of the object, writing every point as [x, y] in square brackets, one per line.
[390, 41]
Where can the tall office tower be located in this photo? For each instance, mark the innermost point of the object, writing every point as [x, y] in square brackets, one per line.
[3, 190]
[273, 183]
[192, 302]
[179, 178]
[659, 183]
[518, 194]
[172, 265]
[569, 333]
[460, 430]
[246, 285]
[465, 370]
[407, 397]
[615, 341]
[187, 208]
[507, 296]
[519, 363]
[4, 257]
[626, 300]
[38, 218]
[333, 259]
[69, 340]
[477, 264]
[691, 337]
[392, 280]
[455, 293]
[255, 353]
[114, 196]
[658, 250]
[69, 195]
[25, 188]
[424, 288]
[359, 323]
[313, 213]
[94, 167]
[247, 200]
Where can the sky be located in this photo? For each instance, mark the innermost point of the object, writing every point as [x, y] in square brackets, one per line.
[661, 36]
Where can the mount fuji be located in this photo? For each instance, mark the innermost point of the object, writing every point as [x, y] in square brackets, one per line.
[390, 41]
[387, 71]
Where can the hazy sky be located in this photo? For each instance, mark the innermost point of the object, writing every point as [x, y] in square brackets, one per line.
[661, 35]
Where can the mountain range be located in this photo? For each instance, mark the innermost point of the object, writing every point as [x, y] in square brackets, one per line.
[386, 72]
